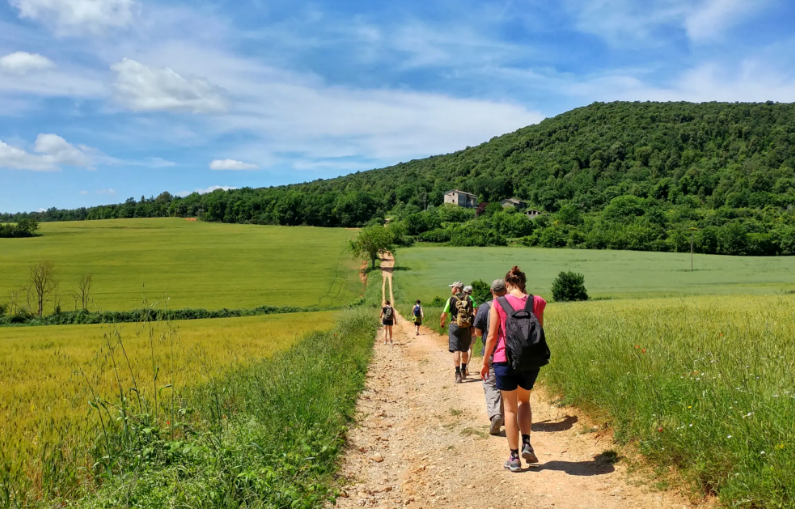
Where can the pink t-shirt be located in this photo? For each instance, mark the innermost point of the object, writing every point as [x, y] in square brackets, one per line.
[516, 303]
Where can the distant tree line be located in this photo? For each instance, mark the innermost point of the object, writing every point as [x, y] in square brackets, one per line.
[643, 176]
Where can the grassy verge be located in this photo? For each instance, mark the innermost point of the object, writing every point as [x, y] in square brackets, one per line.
[267, 435]
[703, 384]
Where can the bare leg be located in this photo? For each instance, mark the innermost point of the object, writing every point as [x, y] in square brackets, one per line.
[457, 359]
[510, 400]
[464, 357]
[525, 412]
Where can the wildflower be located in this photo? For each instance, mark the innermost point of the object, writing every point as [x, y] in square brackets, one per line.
[168, 423]
[643, 351]
[728, 436]
[780, 446]
[660, 429]
[689, 407]
[762, 453]
[637, 346]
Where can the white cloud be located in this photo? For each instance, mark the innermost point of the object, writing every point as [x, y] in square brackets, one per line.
[714, 16]
[106, 192]
[24, 63]
[144, 88]
[625, 22]
[50, 151]
[62, 151]
[19, 159]
[231, 164]
[83, 193]
[206, 190]
[69, 17]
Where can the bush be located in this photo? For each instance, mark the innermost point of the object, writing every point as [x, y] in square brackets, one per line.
[439, 235]
[481, 291]
[569, 286]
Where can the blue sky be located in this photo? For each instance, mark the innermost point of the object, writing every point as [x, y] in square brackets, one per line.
[102, 100]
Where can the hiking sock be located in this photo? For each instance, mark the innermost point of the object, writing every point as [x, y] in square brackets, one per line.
[514, 453]
[463, 367]
[525, 439]
[457, 369]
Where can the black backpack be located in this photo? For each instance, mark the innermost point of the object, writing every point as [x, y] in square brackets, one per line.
[387, 312]
[525, 343]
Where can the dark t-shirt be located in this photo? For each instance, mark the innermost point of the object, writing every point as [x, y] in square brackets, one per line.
[482, 321]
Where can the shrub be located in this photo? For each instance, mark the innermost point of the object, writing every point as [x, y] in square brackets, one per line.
[481, 291]
[569, 286]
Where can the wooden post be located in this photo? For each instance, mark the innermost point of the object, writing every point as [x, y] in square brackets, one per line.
[691, 250]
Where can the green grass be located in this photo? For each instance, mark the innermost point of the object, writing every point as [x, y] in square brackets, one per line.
[193, 264]
[701, 383]
[425, 272]
[268, 435]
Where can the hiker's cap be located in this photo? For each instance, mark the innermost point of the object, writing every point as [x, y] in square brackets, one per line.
[457, 284]
[467, 289]
[498, 285]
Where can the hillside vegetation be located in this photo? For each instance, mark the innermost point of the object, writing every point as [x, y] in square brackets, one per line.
[642, 176]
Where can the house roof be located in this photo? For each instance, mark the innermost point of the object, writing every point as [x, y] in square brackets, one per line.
[512, 200]
[460, 192]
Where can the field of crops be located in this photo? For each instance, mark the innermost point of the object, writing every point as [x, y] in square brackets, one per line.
[49, 374]
[702, 383]
[425, 272]
[192, 264]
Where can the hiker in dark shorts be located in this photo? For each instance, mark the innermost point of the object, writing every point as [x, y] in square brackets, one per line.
[494, 406]
[459, 306]
[419, 314]
[514, 386]
[388, 320]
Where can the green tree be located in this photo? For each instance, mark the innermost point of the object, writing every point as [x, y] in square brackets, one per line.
[569, 286]
[372, 242]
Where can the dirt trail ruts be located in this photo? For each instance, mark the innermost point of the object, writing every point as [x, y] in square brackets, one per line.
[422, 441]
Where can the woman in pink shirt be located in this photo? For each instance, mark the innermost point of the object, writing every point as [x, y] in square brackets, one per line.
[514, 386]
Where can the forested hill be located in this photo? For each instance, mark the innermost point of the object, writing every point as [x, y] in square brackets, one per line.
[618, 175]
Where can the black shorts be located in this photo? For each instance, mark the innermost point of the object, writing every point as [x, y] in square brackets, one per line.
[387, 322]
[509, 380]
[459, 339]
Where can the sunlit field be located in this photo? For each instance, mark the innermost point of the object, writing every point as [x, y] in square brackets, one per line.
[190, 264]
[57, 381]
[426, 271]
[702, 383]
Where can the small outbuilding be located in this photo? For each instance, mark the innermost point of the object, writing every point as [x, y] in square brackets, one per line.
[532, 213]
[512, 202]
[461, 198]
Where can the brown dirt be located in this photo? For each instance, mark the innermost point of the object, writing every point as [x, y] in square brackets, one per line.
[191, 219]
[422, 441]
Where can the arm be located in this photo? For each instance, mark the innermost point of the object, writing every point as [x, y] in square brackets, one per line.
[444, 314]
[491, 342]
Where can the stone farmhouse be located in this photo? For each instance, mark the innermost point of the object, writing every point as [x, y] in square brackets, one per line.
[461, 199]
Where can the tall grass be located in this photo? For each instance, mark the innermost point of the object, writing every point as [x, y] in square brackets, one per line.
[704, 384]
[63, 388]
[267, 435]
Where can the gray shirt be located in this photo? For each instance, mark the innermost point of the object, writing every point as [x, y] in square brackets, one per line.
[482, 321]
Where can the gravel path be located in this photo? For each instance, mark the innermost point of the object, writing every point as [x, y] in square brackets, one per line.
[421, 441]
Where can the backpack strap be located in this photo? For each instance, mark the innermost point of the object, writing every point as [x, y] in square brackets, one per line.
[506, 306]
[530, 304]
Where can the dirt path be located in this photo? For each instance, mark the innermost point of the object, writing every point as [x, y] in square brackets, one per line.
[422, 441]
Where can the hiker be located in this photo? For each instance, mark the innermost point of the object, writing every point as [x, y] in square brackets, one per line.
[388, 319]
[494, 406]
[516, 340]
[419, 314]
[468, 292]
[459, 306]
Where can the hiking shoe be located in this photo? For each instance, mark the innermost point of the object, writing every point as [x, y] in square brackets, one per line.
[458, 379]
[464, 372]
[513, 464]
[496, 424]
[528, 453]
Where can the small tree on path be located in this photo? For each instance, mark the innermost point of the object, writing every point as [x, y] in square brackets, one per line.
[372, 242]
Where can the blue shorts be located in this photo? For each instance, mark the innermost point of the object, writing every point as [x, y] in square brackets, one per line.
[509, 380]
